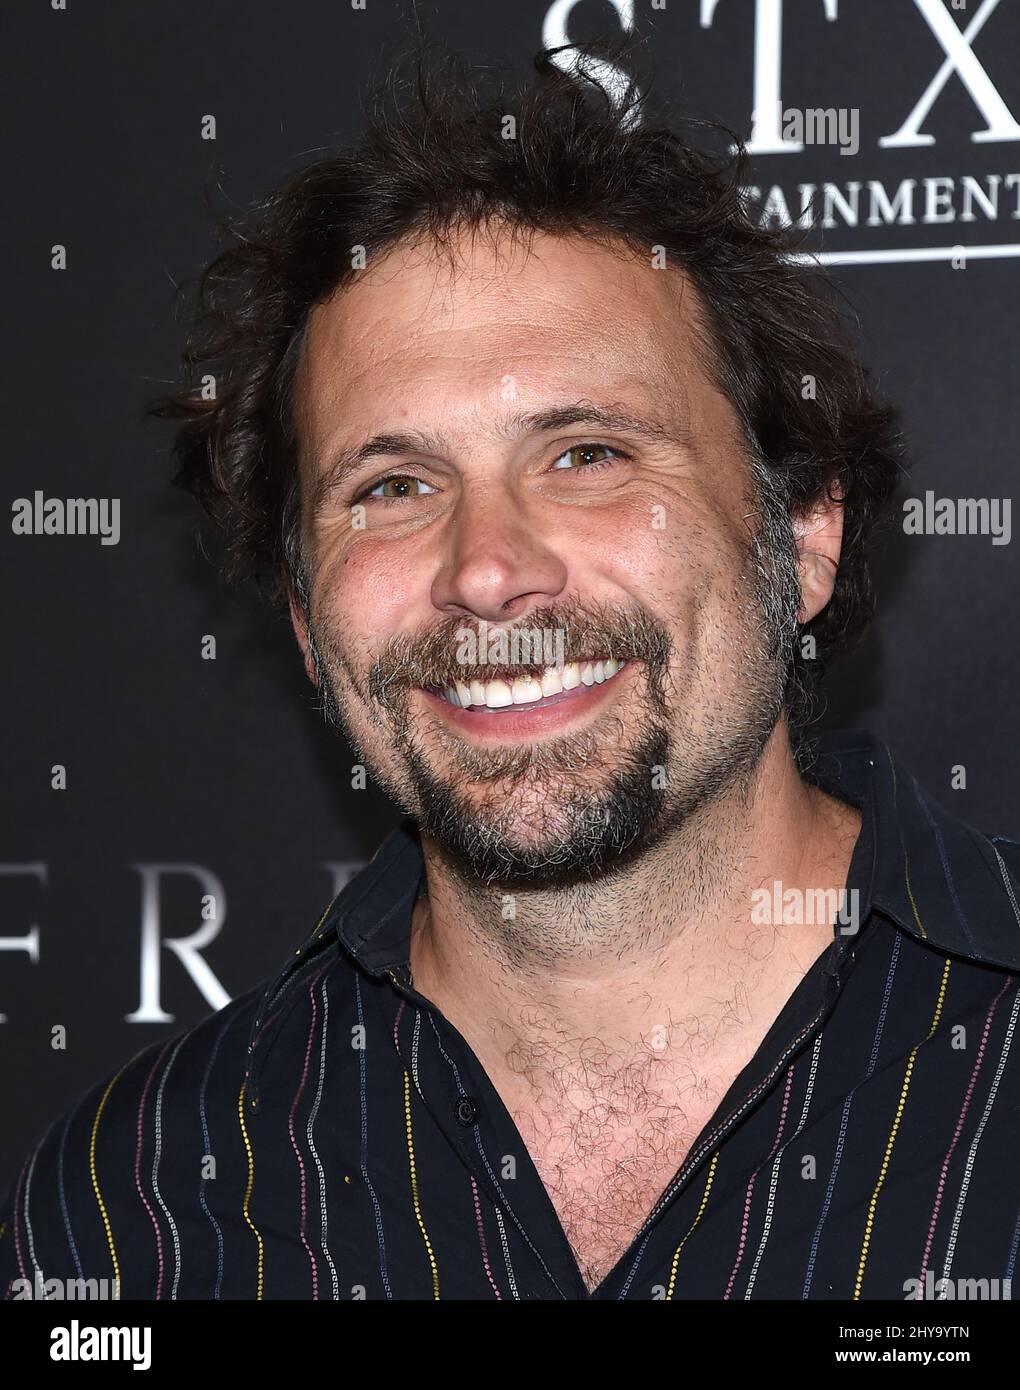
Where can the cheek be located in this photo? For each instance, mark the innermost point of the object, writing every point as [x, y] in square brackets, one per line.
[677, 555]
[663, 547]
[367, 589]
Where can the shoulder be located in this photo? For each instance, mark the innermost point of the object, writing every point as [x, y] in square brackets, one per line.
[167, 1098]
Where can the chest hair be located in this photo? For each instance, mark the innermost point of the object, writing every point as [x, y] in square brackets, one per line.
[606, 1138]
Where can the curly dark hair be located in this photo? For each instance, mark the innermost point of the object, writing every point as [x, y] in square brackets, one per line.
[585, 159]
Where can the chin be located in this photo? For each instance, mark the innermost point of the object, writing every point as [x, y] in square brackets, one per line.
[548, 846]
[530, 865]
[543, 828]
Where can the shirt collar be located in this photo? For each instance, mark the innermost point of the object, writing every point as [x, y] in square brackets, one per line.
[372, 915]
[370, 918]
[937, 878]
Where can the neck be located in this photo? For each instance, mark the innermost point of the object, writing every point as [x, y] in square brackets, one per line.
[665, 956]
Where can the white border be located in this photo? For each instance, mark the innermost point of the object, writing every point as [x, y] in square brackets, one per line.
[916, 254]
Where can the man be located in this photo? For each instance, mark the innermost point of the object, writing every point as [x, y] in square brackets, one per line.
[651, 996]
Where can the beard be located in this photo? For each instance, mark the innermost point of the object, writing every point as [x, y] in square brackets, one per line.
[589, 803]
[569, 810]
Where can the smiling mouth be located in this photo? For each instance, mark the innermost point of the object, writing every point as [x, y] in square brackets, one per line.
[547, 687]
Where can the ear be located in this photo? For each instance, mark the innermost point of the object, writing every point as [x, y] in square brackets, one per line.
[300, 626]
[819, 538]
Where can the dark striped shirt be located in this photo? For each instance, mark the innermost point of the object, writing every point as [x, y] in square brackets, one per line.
[330, 1135]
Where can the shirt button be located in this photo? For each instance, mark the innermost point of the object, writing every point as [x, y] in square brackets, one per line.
[466, 1111]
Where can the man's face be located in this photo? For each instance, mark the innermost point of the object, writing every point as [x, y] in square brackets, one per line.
[552, 482]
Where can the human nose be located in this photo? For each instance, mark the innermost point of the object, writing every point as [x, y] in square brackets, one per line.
[497, 564]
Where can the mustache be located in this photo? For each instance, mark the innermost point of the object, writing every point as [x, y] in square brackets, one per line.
[579, 632]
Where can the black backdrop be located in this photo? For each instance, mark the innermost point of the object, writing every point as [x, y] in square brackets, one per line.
[216, 774]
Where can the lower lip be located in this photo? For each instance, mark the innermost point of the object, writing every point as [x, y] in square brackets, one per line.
[523, 720]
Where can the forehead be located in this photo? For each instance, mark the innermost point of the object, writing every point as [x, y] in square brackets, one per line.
[493, 318]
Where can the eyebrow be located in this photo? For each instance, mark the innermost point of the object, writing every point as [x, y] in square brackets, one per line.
[512, 428]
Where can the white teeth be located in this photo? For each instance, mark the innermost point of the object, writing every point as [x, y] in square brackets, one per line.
[525, 690]
[498, 694]
[551, 682]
